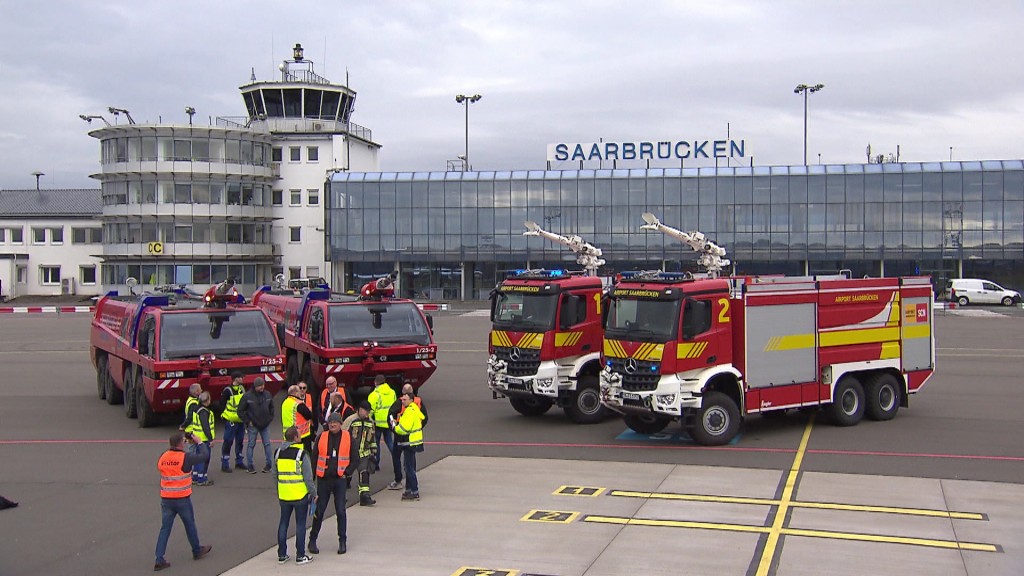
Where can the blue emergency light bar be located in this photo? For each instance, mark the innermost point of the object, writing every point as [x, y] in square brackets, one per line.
[655, 275]
[537, 273]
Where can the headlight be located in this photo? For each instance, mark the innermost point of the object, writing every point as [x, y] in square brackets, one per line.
[666, 399]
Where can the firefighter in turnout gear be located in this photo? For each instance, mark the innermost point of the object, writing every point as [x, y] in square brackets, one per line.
[361, 427]
[234, 429]
[333, 452]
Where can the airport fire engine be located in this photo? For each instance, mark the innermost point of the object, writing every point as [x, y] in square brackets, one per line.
[545, 341]
[148, 350]
[353, 338]
[708, 351]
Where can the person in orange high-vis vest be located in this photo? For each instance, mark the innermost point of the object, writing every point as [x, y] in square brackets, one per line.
[175, 467]
[325, 407]
[333, 453]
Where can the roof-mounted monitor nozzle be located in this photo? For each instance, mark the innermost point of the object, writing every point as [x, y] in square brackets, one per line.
[587, 255]
[712, 256]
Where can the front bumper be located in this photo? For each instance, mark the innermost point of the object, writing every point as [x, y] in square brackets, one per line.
[670, 398]
[543, 383]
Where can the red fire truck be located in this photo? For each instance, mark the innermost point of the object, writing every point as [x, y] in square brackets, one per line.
[353, 338]
[148, 349]
[545, 341]
[708, 351]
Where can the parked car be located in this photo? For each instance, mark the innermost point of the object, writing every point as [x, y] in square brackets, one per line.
[966, 291]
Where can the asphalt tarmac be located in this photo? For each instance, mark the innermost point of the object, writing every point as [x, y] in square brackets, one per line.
[86, 480]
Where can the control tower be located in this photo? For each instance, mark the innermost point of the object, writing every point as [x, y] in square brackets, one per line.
[309, 119]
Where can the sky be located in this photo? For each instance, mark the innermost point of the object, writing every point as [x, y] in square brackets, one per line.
[935, 79]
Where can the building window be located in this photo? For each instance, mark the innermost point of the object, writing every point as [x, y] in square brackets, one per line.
[49, 275]
[295, 233]
[38, 235]
[312, 271]
[3, 235]
[277, 197]
[86, 274]
[294, 272]
[313, 197]
[275, 154]
[17, 235]
[312, 153]
[57, 235]
[296, 198]
[294, 153]
[22, 273]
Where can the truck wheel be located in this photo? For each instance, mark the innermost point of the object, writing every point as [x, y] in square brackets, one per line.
[847, 407]
[962, 301]
[882, 393]
[718, 420]
[584, 405]
[101, 375]
[114, 394]
[645, 424]
[531, 406]
[1007, 301]
[147, 417]
[129, 395]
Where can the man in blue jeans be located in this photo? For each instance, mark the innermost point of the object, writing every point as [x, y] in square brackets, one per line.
[256, 411]
[175, 468]
[295, 493]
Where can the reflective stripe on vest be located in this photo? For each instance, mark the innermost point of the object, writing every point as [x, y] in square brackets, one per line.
[290, 417]
[290, 485]
[381, 399]
[197, 425]
[231, 407]
[411, 425]
[344, 446]
[189, 403]
[174, 483]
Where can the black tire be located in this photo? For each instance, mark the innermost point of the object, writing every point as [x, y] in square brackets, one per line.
[1007, 301]
[645, 424]
[101, 377]
[584, 405]
[530, 405]
[114, 394]
[847, 407]
[147, 417]
[962, 301]
[129, 395]
[718, 420]
[882, 395]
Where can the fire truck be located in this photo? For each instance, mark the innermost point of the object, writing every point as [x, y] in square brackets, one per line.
[352, 337]
[545, 341]
[708, 351]
[148, 349]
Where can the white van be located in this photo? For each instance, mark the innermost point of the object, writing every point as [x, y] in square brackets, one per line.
[966, 291]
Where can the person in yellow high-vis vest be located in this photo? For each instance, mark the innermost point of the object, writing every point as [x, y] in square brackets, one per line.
[294, 492]
[381, 399]
[409, 438]
[202, 423]
[234, 429]
[294, 412]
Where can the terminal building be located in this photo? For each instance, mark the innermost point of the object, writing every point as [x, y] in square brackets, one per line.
[453, 235]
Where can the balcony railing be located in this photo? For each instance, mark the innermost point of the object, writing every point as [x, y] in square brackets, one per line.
[304, 125]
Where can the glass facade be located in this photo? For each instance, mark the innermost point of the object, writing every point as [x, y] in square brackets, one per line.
[944, 219]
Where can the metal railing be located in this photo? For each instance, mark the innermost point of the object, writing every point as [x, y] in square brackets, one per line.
[296, 125]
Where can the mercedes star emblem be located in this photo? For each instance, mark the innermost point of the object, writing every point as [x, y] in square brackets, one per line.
[514, 353]
[630, 365]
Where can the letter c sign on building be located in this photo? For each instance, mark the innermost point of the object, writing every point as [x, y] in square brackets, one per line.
[155, 248]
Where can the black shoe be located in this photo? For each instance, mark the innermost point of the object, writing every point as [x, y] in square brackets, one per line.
[267, 468]
[366, 500]
[226, 469]
[203, 551]
[313, 548]
[251, 470]
[240, 466]
[161, 565]
[407, 496]
[342, 548]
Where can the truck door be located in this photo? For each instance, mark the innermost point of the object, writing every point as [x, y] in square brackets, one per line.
[573, 335]
[705, 333]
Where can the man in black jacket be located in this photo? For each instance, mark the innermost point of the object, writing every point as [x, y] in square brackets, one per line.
[256, 409]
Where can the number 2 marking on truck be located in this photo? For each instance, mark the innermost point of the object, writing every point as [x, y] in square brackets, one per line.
[723, 314]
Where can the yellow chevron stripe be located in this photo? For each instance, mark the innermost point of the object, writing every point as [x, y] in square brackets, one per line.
[641, 352]
[894, 310]
[576, 338]
[700, 349]
[866, 336]
[611, 350]
[789, 342]
[531, 340]
[650, 351]
[620, 352]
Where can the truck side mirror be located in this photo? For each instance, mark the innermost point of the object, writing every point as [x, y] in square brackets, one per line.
[430, 322]
[280, 332]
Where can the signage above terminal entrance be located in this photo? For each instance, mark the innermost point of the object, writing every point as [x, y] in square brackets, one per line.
[662, 150]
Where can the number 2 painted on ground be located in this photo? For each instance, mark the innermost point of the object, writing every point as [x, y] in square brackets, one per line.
[723, 314]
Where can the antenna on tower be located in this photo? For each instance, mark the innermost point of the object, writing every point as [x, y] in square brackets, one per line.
[252, 76]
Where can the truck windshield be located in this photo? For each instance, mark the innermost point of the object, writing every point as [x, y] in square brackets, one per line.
[225, 333]
[521, 311]
[400, 323]
[643, 320]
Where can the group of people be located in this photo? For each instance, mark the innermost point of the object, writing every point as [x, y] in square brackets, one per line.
[310, 468]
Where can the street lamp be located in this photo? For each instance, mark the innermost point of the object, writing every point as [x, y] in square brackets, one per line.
[466, 101]
[38, 175]
[804, 88]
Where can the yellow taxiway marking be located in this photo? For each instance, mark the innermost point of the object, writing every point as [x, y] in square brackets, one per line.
[571, 490]
[855, 536]
[556, 516]
[800, 504]
[768, 554]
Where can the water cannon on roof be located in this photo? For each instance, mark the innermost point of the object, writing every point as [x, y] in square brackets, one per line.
[712, 256]
[587, 255]
[379, 289]
[220, 295]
